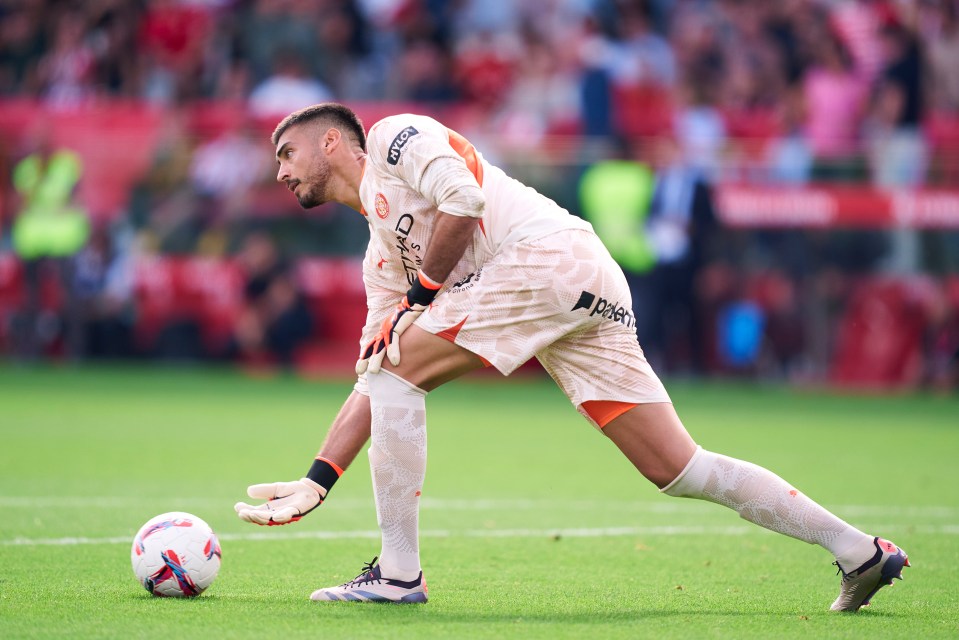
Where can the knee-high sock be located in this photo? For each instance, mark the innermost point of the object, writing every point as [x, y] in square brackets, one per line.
[398, 465]
[762, 497]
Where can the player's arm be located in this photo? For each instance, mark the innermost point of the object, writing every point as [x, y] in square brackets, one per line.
[451, 182]
[451, 237]
[440, 174]
[289, 501]
[349, 431]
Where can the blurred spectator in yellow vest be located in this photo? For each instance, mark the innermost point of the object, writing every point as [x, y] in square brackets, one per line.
[47, 232]
[614, 196]
[48, 224]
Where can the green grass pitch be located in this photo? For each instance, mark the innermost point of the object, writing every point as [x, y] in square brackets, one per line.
[533, 525]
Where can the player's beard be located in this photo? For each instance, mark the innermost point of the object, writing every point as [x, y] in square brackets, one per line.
[315, 190]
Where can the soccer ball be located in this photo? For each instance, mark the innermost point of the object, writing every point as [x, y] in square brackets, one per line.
[175, 554]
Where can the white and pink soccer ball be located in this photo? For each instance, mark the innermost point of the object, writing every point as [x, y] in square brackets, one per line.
[175, 554]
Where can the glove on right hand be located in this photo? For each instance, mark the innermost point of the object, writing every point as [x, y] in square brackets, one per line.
[285, 502]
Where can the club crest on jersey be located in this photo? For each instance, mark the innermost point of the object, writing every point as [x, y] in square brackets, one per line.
[396, 147]
[467, 282]
[382, 206]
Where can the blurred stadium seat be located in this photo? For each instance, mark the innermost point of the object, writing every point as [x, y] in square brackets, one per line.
[11, 294]
[335, 294]
[547, 91]
[879, 339]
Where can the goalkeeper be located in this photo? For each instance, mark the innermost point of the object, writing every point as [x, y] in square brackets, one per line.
[467, 268]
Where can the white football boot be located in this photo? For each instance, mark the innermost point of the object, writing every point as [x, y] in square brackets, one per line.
[861, 584]
[371, 586]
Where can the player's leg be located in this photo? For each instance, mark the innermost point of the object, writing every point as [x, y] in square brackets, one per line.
[652, 437]
[647, 432]
[505, 312]
[429, 360]
[398, 440]
[629, 403]
[398, 464]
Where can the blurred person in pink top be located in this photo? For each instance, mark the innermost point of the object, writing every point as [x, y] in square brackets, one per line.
[835, 99]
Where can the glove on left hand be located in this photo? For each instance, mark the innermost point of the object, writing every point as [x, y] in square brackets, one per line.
[387, 341]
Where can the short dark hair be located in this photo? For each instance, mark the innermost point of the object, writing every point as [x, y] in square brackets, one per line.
[336, 114]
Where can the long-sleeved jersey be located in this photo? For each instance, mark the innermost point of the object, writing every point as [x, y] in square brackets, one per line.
[415, 167]
[534, 281]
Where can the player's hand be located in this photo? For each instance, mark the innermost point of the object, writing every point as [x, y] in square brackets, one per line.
[387, 341]
[285, 502]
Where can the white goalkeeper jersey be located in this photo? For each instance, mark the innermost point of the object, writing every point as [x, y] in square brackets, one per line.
[415, 167]
[522, 289]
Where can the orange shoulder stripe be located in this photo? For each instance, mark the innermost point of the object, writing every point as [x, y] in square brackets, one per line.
[467, 151]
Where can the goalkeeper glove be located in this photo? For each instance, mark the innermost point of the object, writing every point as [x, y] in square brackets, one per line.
[285, 502]
[289, 501]
[387, 341]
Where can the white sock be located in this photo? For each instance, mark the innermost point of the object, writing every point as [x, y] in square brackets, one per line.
[762, 497]
[398, 465]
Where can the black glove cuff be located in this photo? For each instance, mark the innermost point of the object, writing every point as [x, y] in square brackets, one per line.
[421, 294]
[324, 474]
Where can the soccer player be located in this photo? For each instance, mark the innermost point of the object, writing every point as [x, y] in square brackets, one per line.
[468, 268]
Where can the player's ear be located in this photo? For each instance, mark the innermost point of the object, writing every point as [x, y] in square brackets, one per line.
[331, 139]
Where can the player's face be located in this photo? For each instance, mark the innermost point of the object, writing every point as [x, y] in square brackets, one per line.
[303, 167]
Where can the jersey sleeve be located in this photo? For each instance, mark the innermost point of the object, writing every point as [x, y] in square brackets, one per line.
[419, 151]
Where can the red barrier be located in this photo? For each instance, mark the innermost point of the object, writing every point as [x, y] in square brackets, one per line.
[336, 296]
[209, 293]
[828, 207]
[206, 291]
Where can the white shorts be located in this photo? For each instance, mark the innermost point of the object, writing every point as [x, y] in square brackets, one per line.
[563, 300]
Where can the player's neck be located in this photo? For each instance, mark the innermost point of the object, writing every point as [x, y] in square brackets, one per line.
[352, 178]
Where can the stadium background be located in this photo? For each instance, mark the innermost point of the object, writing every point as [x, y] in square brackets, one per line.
[822, 181]
[798, 165]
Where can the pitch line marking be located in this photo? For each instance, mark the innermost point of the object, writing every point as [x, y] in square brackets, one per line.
[603, 532]
[455, 504]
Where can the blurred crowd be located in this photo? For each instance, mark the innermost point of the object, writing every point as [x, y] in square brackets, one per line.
[627, 112]
[835, 73]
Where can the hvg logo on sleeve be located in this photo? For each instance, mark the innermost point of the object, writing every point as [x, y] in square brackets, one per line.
[396, 147]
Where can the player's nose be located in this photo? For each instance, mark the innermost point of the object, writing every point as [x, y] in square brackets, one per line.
[283, 174]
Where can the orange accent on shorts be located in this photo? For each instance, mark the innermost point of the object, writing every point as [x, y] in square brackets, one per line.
[467, 151]
[336, 467]
[451, 333]
[605, 411]
[482, 226]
